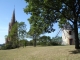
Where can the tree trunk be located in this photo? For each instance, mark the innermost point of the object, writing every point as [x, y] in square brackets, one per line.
[34, 42]
[76, 35]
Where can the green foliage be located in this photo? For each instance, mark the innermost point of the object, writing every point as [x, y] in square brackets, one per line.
[10, 45]
[23, 43]
[18, 29]
[13, 30]
[34, 33]
[3, 47]
[13, 35]
[18, 32]
[47, 41]
[38, 23]
[44, 13]
[44, 41]
[56, 41]
[21, 30]
[79, 37]
[62, 22]
[31, 43]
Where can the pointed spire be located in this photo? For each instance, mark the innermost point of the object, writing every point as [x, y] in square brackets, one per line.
[13, 16]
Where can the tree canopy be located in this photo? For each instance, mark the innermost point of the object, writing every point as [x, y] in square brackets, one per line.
[17, 32]
[45, 13]
[22, 30]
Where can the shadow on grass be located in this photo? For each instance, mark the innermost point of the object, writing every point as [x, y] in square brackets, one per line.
[75, 51]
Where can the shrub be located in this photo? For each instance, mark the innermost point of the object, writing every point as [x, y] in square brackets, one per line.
[3, 47]
[31, 43]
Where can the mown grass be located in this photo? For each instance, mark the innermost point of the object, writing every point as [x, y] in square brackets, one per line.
[41, 53]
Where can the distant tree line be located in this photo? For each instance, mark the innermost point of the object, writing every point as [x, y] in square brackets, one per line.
[41, 41]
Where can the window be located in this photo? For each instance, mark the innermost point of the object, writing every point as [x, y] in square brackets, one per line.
[70, 32]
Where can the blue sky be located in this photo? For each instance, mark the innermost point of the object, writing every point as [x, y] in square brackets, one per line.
[6, 10]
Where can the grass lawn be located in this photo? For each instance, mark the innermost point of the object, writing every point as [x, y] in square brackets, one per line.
[41, 53]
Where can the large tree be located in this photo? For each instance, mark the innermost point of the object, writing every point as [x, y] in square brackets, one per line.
[48, 12]
[34, 33]
[18, 32]
[13, 37]
[22, 30]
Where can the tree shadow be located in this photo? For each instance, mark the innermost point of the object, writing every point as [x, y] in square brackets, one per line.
[75, 51]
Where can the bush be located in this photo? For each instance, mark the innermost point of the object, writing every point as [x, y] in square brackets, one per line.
[23, 43]
[6, 46]
[3, 47]
[31, 43]
[54, 43]
[49, 44]
[9, 45]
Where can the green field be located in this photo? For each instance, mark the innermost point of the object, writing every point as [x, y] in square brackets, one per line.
[41, 53]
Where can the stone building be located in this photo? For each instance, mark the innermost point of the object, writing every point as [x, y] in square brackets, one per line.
[13, 21]
[68, 37]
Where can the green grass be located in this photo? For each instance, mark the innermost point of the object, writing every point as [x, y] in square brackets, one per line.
[41, 53]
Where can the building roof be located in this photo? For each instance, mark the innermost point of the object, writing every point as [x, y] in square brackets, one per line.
[67, 26]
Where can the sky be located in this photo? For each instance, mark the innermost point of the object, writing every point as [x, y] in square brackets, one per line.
[6, 10]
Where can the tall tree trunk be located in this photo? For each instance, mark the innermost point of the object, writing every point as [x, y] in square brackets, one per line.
[76, 35]
[34, 42]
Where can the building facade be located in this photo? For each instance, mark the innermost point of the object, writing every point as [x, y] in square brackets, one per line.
[68, 37]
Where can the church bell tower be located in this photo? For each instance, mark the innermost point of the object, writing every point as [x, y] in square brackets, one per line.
[11, 24]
